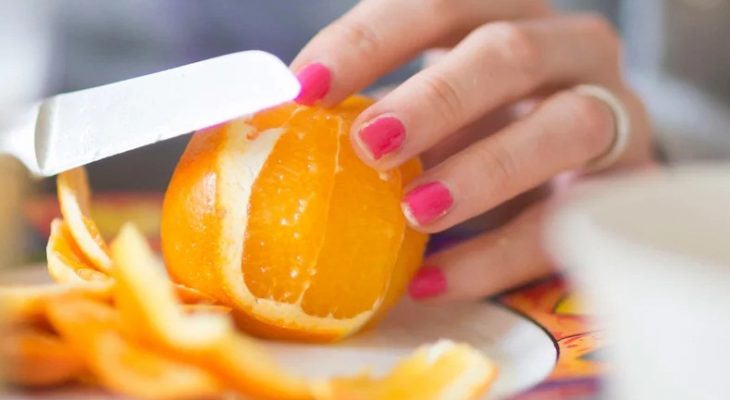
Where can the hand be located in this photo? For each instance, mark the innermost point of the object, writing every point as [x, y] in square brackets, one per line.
[493, 117]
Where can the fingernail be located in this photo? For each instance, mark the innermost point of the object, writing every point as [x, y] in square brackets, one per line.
[428, 282]
[383, 135]
[426, 203]
[314, 80]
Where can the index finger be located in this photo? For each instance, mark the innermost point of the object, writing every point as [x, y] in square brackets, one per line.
[377, 36]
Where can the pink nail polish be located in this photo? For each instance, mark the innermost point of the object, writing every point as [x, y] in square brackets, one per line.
[315, 81]
[383, 135]
[428, 282]
[426, 203]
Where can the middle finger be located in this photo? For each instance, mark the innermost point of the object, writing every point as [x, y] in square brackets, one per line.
[563, 133]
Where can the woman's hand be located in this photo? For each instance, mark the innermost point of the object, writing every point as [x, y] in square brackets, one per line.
[493, 117]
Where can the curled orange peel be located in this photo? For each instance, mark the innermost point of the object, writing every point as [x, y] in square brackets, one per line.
[146, 299]
[66, 261]
[74, 198]
[77, 252]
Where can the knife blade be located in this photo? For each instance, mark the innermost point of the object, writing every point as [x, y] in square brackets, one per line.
[73, 129]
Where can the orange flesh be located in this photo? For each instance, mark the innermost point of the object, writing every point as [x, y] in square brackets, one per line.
[313, 179]
[364, 233]
[292, 193]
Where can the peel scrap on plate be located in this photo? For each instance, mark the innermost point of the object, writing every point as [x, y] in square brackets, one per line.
[35, 357]
[120, 364]
[114, 318]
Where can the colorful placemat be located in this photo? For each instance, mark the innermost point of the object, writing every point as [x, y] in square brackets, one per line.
[549, 303]
[552, 305]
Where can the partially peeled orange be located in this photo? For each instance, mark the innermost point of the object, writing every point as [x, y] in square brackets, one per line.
[276, 216]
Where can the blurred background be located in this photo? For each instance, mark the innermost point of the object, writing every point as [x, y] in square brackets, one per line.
[675, 54]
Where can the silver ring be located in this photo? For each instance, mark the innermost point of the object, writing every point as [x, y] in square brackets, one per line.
[622, 124]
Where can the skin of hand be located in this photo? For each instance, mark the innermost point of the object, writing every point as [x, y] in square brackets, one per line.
[492, 115]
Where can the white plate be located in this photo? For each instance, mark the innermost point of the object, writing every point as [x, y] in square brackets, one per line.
[524, 352]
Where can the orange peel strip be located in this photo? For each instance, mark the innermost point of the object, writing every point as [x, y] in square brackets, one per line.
[66, 261]
[33, 357]
[444, 370]
[120, 364]
[74, 197]
[27, 304]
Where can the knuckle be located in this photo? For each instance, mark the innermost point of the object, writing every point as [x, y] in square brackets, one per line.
[590, 119]
[441, 8]
[537, 8]
[603, 33]
[447, 14]
[443, 96]
[358, 36]
[499, 163]
[599, 25]
[515, 46]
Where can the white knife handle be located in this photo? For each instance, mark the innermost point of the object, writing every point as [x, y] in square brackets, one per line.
[17, 137]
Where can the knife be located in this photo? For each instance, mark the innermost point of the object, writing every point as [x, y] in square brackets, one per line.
[73, 129]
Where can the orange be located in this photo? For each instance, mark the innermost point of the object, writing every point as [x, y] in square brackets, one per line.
[276, 216]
